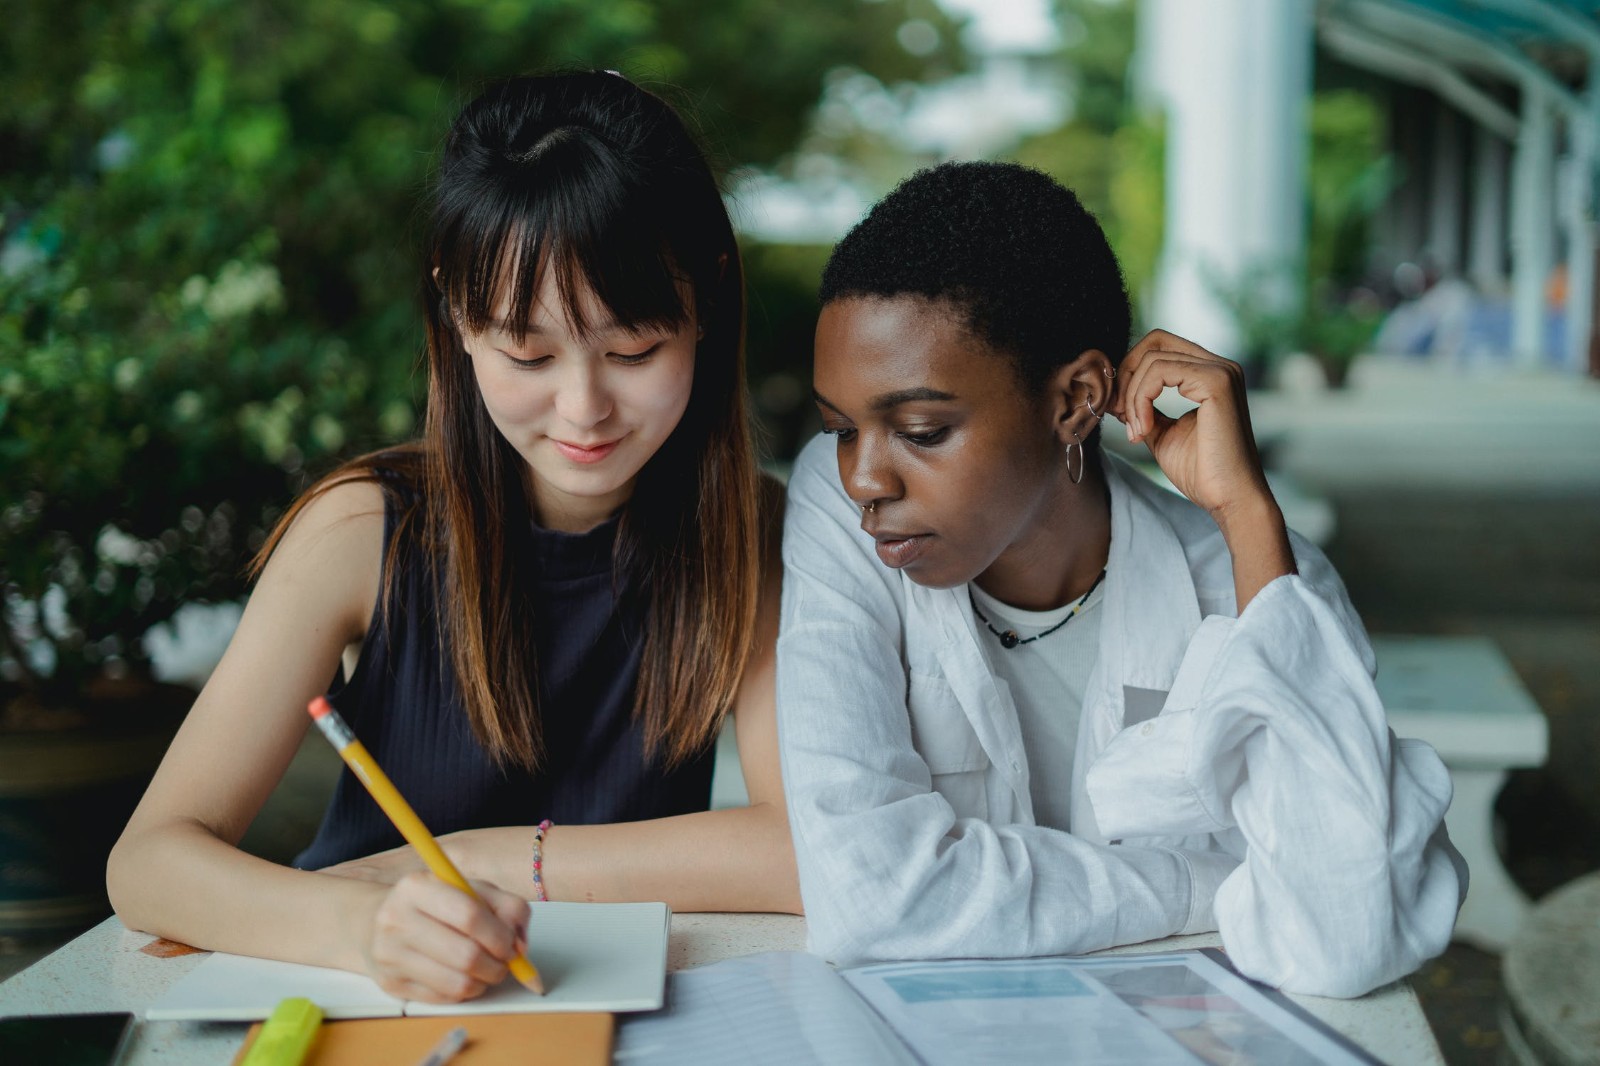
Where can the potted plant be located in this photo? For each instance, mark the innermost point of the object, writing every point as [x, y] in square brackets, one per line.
[1334, 328]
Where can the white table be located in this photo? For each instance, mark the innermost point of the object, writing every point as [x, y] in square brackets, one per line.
[1460, 695]
[104, 970]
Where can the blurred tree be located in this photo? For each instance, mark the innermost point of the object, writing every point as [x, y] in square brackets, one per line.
[206, 268]
[782, 320]
[1350, 176]
[1108, 153]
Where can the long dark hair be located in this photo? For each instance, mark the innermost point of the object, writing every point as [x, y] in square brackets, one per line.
[592, 177]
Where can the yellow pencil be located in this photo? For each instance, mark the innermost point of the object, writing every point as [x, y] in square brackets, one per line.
[405, 819]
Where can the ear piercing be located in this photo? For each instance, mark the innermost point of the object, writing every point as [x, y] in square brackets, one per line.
[1076, 447]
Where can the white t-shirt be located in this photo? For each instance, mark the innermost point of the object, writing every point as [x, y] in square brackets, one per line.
[1047, 678]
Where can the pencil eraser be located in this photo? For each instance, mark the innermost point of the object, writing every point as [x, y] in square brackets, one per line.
[319, 707]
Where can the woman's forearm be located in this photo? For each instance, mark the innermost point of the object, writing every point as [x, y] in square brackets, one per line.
[181, 882]
[1258, 540]
[739, 859]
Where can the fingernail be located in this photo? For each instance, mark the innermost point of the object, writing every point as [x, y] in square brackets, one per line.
[1129, 427]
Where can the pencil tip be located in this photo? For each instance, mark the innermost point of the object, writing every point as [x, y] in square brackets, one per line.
[527, 974]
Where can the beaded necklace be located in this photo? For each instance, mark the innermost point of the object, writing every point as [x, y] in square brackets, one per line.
[1009, 638]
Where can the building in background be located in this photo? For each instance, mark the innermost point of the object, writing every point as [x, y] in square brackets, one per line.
[1494, 113]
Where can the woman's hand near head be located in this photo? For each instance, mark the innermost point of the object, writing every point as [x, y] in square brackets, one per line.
[1208, 453]
[431, 942]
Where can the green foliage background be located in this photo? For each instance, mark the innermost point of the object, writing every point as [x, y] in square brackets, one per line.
[207, 216]
[1109, 152]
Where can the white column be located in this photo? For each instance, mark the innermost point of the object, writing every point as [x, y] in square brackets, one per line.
[1233, 77]
[1532, 181]
[1444, 206]
[1486, 257]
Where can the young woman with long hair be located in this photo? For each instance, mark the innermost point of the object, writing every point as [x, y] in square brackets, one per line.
[541, 612]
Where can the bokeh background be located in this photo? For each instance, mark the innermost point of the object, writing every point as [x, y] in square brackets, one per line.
[208, 223]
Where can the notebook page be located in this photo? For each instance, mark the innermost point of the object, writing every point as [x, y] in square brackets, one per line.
[227, 988]
[782, 1006]
[591, 956]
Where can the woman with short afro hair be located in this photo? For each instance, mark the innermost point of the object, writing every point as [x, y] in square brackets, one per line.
[1029, 702]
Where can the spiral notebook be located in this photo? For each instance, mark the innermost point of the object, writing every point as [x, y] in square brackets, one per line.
[592, 957]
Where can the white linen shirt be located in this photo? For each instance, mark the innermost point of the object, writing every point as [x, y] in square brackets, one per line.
[1268, 799]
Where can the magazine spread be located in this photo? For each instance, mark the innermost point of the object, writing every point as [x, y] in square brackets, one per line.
[1174, 1007]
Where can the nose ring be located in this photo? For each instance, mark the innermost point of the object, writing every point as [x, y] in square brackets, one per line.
[871, 508]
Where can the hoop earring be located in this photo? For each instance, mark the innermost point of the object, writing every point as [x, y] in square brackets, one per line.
[1098, 417]
[1077, 479]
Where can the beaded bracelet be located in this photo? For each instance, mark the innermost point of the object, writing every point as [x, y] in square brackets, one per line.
[539, 831]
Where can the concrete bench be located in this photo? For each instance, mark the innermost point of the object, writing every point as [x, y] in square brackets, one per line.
[1550, 1013]
[1460, 695]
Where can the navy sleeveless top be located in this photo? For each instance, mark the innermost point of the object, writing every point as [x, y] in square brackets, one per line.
[404, 704]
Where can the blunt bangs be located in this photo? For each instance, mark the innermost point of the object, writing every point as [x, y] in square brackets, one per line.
[570, 203]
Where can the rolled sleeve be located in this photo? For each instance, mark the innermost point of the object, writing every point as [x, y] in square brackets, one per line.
[1274, 728]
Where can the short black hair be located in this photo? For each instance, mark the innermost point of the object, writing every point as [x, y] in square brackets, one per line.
[1007, 246]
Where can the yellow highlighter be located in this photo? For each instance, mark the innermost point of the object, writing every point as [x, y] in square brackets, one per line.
[405, 819]
[286, 1036]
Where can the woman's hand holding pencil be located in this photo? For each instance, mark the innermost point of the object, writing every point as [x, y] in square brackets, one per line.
[430, 941]
[434, 936]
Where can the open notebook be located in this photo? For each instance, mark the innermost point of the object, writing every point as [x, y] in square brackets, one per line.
[592, 957]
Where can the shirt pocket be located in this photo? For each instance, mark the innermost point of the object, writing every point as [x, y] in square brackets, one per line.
[946, 742]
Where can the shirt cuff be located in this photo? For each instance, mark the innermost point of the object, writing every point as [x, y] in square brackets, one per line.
[1207, 871]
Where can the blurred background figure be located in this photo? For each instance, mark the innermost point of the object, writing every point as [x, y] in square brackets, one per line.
[1385, 208]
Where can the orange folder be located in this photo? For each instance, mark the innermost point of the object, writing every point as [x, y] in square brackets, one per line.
[492, 1039]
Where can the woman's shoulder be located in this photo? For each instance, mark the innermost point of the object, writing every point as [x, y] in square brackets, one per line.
[382, 489]
[373, 491]
[334, 536]
[332, 543]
